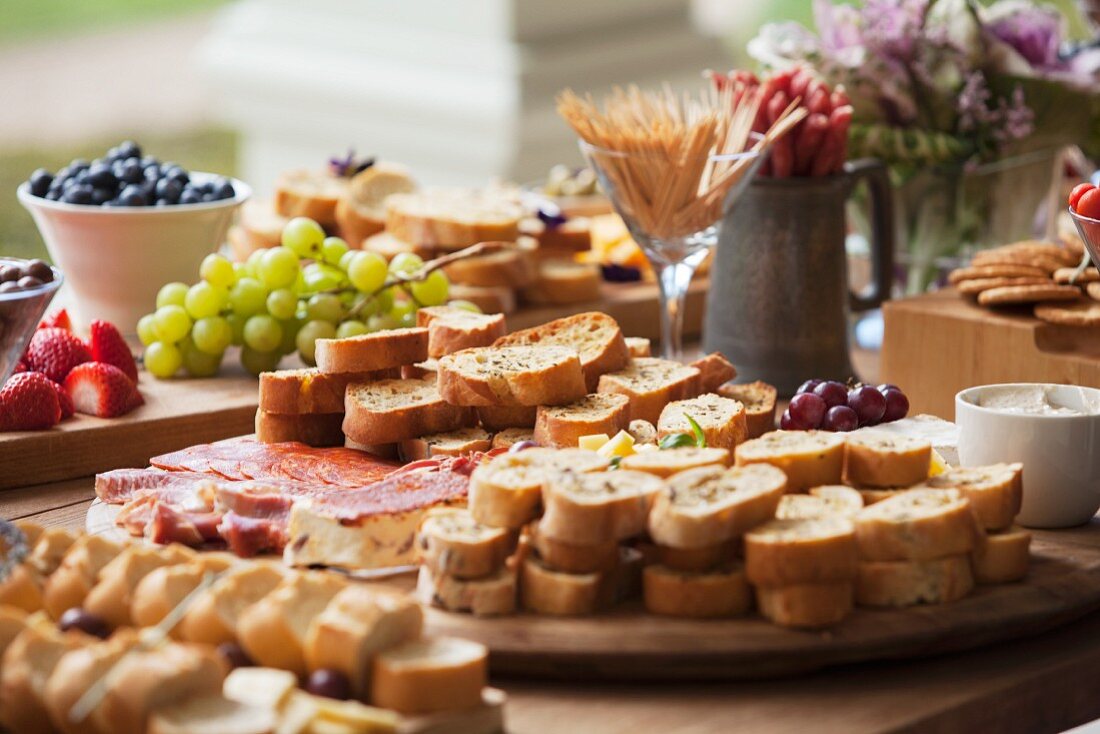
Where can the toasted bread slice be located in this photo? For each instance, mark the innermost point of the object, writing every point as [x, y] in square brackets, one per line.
[110, 598]
[426, 676]
[212, 713]
[484, 597]
[905, 583]
[669, 462]
[571, 558]
[453, 218]
[884, 460]
[389, 246]
[562, 426]
[563, 282]
[164, 588]
[499, 299]
[68, 586]
[714, 371]
[362, 212]
[262, 224]
[312, 194]
[995, 492]
[313, 429]
[595, 336]
[591, 508]
[499, 417]
[213, 617]
[651, 384]
[381, 450]
[713, 504]
[509, 437]
[512, 376]
[806, 606]
[450, 541]
[835, 500]
[389, 411]
[294, 392]
[721, 419]
[369, 352]
[917, 525]
[806, 551]
[1003, 557]
[643, 432]
[706, 558]
[426, 370]
[638, 346]
[808, 458]
[454, 329]
[545, 591]
[572, 236]
[704, 595]
[874, 496]
[510, 267]
[355, 226]
[759, 401]
[452, 443]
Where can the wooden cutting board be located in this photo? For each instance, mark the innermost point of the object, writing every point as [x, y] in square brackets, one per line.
[940, 343]
[1063, 585]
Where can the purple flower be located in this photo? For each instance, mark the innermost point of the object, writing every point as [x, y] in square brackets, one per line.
[1032, 31]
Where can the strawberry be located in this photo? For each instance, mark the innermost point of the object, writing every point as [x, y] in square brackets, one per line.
[54, 352]
[28, 402]
[20, 366]
[102, 389]
[58, 319]
[64, 400]
[107, 345]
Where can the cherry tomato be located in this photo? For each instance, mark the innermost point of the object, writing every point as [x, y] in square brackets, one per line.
[1089, 204]
[1078, 191]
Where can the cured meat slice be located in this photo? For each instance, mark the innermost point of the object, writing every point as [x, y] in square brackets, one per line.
[170, 525]
[120, 485]
[249, 536]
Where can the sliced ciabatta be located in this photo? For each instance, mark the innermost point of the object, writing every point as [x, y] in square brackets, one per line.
[805, 551]
[995, 492]
[545, 591]
[452, 443]
[876, 459]
[714, 371]
[595, 336]
[638, 346]
[917, 525]
[667, 462]
[454, 329]
[294, 392]
[512, 266]
[829, 500]
[905, 583]
[722, 420]
[593, 507]
[1004, 557]
[430, 675]
[808, 458]
[450, 541]
[509, 437]
[512, 376]
[759, 401]
[499, 417]
[562, 426]
[721, 592]
[453, 218]
[571, 558]
[713, 504]
[388, 411]
[313, 429]
[805, 606]
[313, 194]
[483, 597]
[376, 351]
[562, 282]
[651, 384]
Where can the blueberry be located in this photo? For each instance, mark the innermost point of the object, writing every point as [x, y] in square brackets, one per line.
[100, 176]
[129, 149]
[52, 195]
[176, 174]
[40, 182]
[112, 154]
[208, 198]
[149, 160]
[79, 165]
[101, 196]
[132, 196]
[169, 190]
[64, 172]
[81, 176]
[68, 183]
[78, 194]
[152, 172]
[131, 171]
[190, 196]
[224, 189]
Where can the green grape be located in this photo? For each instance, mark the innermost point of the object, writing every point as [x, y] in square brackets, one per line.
[256, 362]
[204, 300]
[216, 270]
[383, 321]
[465, 305]
[282, 304]
[197, 362]
[310, 332]
[303, 236]
[320, 277]
[366, 307]
[146, 329]
[247, 296]
[406, 263]
[252, 264]
[347, 298]
[289, 342]
[236, 324]
[407, 320]
[433, 290]
[333, 249]
[385, 300]
[171, 294]
[346, 258]
[353, 327]
[240, 270]
[262, 333]
[212, 334]
[278, 267]
[325, 307]
[402, 308]
[171, 323]
[161, 359]
[367, 271]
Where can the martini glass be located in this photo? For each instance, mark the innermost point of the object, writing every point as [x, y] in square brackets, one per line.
[674, 245]
[1089, 229]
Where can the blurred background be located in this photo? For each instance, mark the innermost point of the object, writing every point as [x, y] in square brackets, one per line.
[460, 92]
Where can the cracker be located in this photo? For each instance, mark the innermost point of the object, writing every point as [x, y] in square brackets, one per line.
[1048, 264]
[1018, 294]
[1065, 275]
[1041, 249]
[996, 271]
[976, 286]
[1084, 313]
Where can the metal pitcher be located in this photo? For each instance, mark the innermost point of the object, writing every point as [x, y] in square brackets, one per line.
[779, 294]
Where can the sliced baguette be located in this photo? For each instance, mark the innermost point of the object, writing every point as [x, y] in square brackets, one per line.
[377, 351]
[312, 429]
[510, 267]
[545, 591]
[312, 194]
[563, 282]
[917, 525]
[708, 594]
[806, 606]
[883, 460]
[643, 432]
[452, 443]
[484, 597]
[651, 384]
[295, 392]
[594, 507]
[164, 588]
[454, 329]
[212, 713]
[1003, 557]
[213, 618]
[426, 676]
[808, 458]
[805, 551]
[112, 595]
[572, 236]
[68, 586]
[835, 500]
[509, 437]
[498, 299]
[362, 212]
[499, 417]
[262, 224]
[562, 426]
[450, 541]
[712, 504]
[388, 411]
[638, 346]
[595, 336]
[570, 558]
[714, 371]
[668, 462]
[29, 660]
[995, 492]
[426, 370]
[721, 419]
[701, 559]
[874, 496]
[453, 218]
[905, 583]
[389, 246]
[512, 376]
[759, 401]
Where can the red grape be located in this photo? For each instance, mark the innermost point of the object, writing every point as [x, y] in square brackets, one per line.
[840, 418]
[833, 393]
[887, 386]
[807, 410]
[868, 403]
[786, 422]
[329, 683]
[808, 386]
[897, 405]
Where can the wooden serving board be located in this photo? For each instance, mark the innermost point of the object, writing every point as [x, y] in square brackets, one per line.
[940, 343]
[1063, 585]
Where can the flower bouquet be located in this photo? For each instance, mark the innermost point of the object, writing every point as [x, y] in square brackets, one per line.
[969, 105]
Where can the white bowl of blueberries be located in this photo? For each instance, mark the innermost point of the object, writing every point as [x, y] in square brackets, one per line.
[123, 225]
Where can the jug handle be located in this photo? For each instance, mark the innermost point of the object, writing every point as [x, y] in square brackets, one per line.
[873, 171]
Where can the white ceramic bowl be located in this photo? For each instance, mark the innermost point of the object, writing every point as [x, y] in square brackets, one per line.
[1060, 453]
[115, 259]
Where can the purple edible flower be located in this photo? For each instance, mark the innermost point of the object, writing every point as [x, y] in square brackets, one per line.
[614, 273]
[349, 165]
[551, 218]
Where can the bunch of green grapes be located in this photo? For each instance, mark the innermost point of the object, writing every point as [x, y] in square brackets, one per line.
[283, 300]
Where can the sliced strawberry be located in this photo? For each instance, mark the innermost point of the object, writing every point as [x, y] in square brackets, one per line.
[64, 400]
[102, 389]
[54, 352]
[28, 402]
[57, 320]
[20, 366]
[107, 345]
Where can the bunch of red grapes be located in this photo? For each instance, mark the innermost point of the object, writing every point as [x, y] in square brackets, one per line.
[834, 406]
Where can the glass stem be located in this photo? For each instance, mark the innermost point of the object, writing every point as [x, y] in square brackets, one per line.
[674, 279]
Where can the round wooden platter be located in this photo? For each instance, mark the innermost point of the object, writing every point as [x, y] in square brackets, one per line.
[627, 643]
